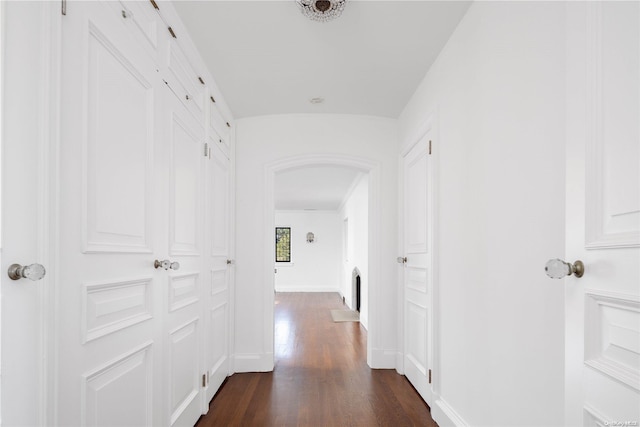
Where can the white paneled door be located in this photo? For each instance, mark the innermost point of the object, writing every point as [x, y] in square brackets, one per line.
[602, 330]
[183, 323]
[109, 346]
[218, 263]
[131, 232]
[418, 265]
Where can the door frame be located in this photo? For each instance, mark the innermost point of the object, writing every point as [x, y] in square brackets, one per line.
[375, 358]
[429, 124]
[46, 79]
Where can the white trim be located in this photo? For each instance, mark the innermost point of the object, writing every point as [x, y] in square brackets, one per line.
[376, 358]
[49, 213]
[252, 362]
[3, 39]
[350, 191]
[444, 414]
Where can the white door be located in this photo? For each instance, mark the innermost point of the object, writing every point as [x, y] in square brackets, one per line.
[26, 140]
[185, 243]
[110, 299]
[418, 265]
[216, 296]
[131, 187]
[602, 330]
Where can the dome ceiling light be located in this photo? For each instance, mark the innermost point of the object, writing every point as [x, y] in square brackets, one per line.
[321, 10]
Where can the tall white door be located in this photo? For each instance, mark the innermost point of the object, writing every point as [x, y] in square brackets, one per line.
[602, 330]
[216, 295]
[131, 232]
[183, 319]
[110, 298]
[26, 141]
[418, 266]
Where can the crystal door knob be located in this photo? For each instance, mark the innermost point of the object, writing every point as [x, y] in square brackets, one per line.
[165, 264]
[557, 268]
[31, 272]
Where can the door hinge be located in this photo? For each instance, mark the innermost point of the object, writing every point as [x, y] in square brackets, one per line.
[212, 100]
[63, 7]
[204, 380]
[206, 149]
[154, 4]
[171, 32]
[429, 376]
[200, 79]
[429, 147]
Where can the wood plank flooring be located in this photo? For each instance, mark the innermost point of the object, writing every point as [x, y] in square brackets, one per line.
[321, 377]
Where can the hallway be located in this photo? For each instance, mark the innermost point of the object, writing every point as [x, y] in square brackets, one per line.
[321, 377]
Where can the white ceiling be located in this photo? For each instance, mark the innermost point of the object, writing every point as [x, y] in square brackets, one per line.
[313, 188]
[267, 58]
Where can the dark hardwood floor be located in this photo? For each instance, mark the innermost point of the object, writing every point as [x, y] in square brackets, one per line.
[321, 377]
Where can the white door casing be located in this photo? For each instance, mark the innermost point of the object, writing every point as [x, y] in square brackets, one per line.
[602, 312]
[418, 264]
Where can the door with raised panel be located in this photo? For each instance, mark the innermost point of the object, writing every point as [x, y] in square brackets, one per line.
[216, 298]
[183, 319]
[417, 265]
[602, 308]
[110, 297]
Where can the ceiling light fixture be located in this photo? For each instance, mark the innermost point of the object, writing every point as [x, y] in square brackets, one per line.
[321, 10]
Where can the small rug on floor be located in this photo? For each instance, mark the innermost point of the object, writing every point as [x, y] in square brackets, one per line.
[345, 316]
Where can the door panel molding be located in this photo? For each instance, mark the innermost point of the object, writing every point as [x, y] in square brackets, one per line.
[613, 201]
[110, 306]
[104, 394]
[612, 327]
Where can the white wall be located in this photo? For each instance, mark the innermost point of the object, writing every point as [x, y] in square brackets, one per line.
[260, 141]
[314, 267]
[497, 90]
[354, 209]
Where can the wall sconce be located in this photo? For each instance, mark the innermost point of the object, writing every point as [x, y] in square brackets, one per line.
[310, 237]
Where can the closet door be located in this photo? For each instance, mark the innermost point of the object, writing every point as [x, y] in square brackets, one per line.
[109, 296]
[185, 240]
[216, 295]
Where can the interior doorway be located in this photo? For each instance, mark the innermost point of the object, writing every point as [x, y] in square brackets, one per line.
[314, 249]
[365, 182]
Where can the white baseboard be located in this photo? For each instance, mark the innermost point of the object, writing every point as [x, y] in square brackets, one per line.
[257, 362]
[383, 359]
[443, 414]
[400, 362]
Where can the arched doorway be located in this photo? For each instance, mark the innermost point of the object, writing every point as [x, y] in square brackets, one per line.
[363, 165]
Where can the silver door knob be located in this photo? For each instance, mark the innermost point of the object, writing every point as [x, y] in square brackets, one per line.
[231, 261]
[557, 268]
[401, 260]
[165, 264]
[31, 272]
